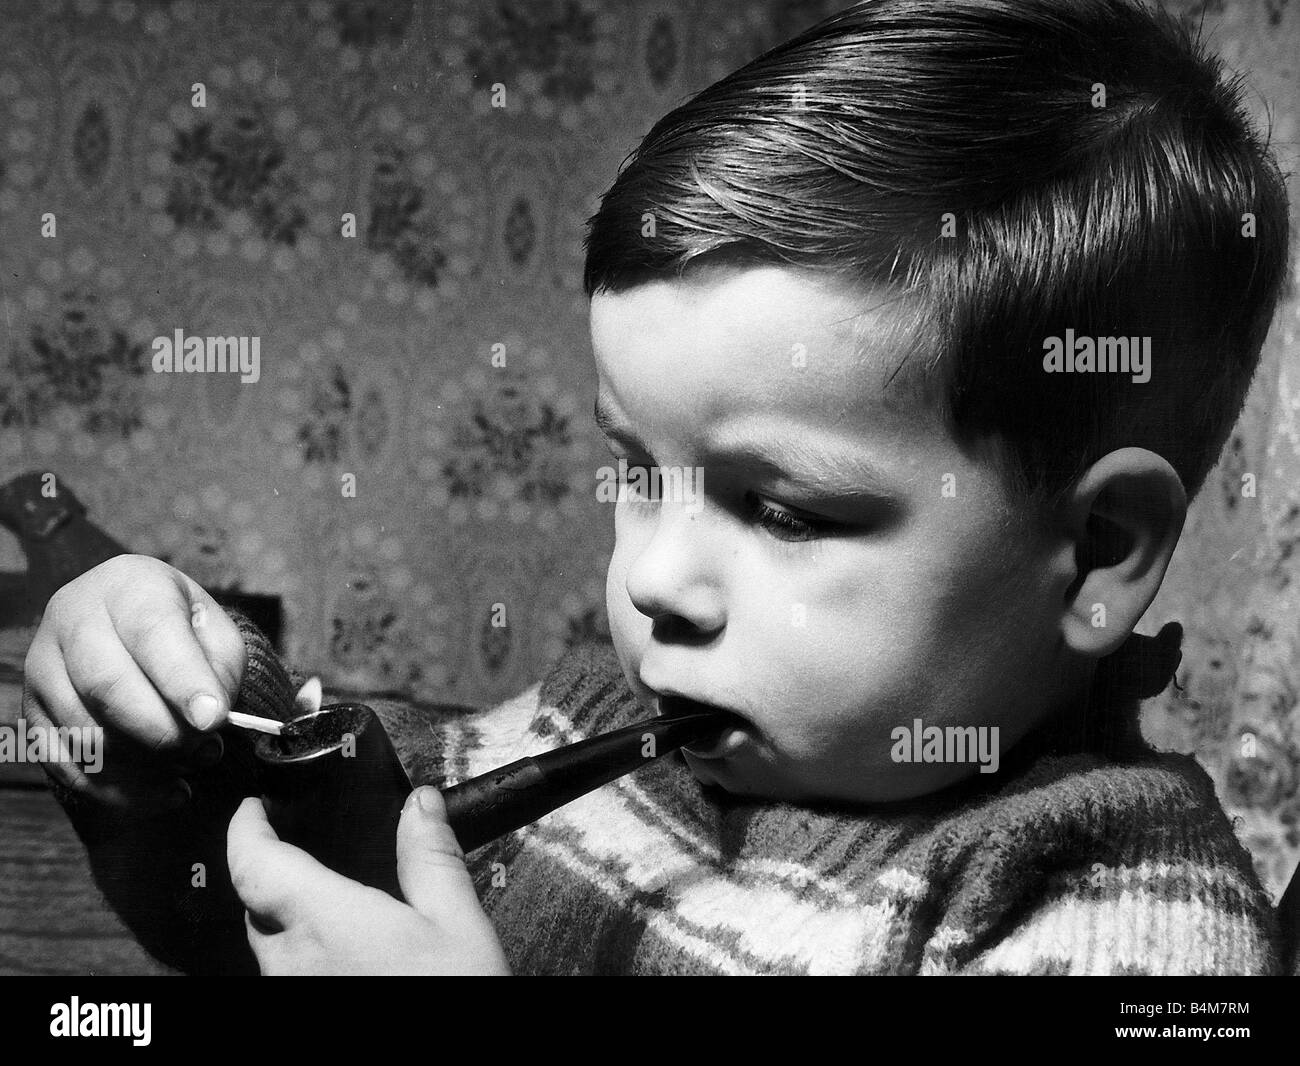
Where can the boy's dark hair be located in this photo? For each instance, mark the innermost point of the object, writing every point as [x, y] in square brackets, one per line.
[1159, 214]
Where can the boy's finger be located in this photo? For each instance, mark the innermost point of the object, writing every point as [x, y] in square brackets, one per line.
[273, 879]
[101, 779]
[265, 943]
[164, 644]
[219, 638]
[430, 863]
[45, 680]
[256, 870]
[107, 679]
[67, 774]
[130, 733]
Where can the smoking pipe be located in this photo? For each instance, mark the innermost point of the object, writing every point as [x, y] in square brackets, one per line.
[502, 800]
[336, 788]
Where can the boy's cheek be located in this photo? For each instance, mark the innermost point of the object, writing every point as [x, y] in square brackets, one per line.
[628, 627]
[629, 630]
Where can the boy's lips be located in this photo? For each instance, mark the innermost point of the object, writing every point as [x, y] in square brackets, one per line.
[717, 745]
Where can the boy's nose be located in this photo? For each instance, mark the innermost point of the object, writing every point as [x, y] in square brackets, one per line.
[673, 578]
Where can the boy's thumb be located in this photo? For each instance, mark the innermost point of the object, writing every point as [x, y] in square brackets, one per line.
[430, 863]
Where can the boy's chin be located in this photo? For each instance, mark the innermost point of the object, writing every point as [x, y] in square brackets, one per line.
[720, 773]
[742, 775]
[745, 774]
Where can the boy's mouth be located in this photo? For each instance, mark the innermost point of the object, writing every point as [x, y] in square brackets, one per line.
[719, 745]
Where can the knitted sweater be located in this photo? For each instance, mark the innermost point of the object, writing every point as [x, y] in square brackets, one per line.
[1067, 861]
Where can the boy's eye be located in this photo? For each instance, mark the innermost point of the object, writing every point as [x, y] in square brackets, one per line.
[635, 478]
[785, 525]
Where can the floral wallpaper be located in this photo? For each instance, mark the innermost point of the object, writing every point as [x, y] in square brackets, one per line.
[1234, 582]
[408, 256]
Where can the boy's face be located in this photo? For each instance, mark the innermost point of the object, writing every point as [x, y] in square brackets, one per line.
[848, 568]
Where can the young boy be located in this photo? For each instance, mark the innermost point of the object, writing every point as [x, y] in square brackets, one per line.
[952, 303]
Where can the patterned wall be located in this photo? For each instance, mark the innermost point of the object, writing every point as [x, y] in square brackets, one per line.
[1235, 579]
[376, 350]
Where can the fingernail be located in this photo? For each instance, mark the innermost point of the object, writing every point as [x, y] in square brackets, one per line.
[179, 796]
[209, 752]
[203, 710]
[425, 797]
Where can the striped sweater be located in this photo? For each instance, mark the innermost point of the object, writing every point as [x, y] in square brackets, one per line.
[1068, 863]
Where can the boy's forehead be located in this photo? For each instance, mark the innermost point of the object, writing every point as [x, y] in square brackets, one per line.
[735, 302]
[765, 338]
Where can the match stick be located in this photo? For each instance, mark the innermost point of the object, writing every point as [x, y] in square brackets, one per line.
[252, 721]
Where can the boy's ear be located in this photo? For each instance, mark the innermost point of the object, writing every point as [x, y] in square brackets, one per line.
[1124, 515]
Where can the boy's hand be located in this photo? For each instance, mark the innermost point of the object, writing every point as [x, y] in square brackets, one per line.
[137, 648]
[305, 919]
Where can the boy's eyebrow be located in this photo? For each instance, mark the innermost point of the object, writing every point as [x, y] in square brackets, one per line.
[818, 472]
